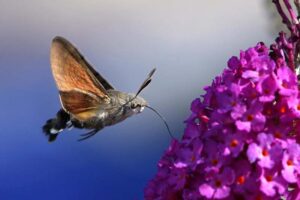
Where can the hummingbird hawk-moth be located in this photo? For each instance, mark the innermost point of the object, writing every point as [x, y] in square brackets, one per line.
[88, 100]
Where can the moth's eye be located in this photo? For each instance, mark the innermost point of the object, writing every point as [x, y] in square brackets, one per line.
[133, 106]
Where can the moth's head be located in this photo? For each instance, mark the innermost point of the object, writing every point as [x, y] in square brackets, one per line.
[137, 104]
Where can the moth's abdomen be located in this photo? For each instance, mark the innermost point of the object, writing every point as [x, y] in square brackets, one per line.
[55, 125]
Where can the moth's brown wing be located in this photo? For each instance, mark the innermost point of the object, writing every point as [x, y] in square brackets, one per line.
[70, 70]
[80, 90]
[78, 56]
[81, 105]
[102, 80]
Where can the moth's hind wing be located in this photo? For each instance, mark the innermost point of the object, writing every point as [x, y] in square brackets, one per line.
[100, 78]
[81, 105]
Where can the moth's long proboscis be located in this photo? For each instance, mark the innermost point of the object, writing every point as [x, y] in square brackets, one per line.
[163, 119]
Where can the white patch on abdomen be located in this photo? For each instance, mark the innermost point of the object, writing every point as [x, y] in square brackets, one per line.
[55, 131]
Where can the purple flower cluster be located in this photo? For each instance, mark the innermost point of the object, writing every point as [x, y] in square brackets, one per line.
[241, 140]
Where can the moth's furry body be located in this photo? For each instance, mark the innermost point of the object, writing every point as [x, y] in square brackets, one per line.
[114, 111]
[88, 100]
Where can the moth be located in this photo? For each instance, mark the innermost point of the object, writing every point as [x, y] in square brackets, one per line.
[87, 99]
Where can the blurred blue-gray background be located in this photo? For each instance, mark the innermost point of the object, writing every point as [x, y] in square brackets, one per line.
[188, 41]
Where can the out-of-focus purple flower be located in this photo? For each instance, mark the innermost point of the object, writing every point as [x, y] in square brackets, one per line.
[252, 118]
[287, 82]
[189, 155]
[218, 186]
[235, 143]
[267, 152]
[267, 88]
[242, 138]
[291, 162]
[272, 184]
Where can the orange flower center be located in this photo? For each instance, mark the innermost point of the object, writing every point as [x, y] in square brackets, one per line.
[267, 91]
[233, 103]
[234, 143]
[269, 178]
[284, 84]
[278, 135]
[265, 152]
[240, 180]
[253, 94]
[214, 161]
[268, 111]
[250, 117]
[193, 158]
[259, 197]
[218, 183]
[282, 109]
[289, 162]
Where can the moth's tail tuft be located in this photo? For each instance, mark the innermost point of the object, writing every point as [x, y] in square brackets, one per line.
[54, 126]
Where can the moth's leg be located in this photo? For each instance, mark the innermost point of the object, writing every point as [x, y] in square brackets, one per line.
[88, 134]
[96, 126]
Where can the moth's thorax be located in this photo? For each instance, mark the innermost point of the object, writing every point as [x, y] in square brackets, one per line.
[122, 105]
[122, 98]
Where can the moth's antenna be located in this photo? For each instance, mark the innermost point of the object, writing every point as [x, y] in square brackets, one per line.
[144, 84]
[163, 119]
